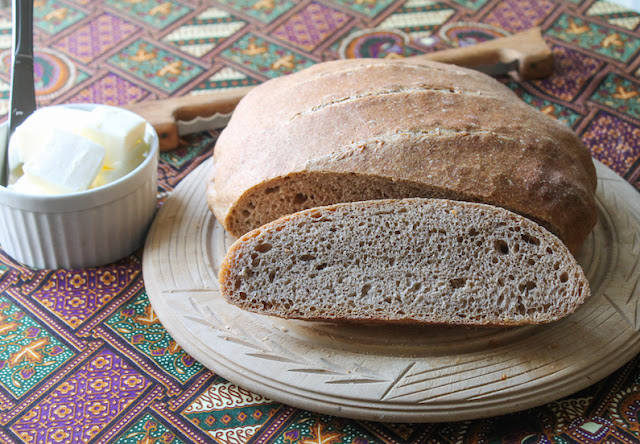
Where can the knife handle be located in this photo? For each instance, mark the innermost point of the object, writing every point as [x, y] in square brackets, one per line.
[23, 96]
[528, 48]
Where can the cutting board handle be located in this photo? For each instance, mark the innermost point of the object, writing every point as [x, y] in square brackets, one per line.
[532, 54]
[164, 114]
[528, 48]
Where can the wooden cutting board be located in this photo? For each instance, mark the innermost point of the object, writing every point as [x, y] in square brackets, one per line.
[402, 374]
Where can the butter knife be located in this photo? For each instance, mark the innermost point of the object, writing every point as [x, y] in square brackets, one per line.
[526, 53]
[23, 97]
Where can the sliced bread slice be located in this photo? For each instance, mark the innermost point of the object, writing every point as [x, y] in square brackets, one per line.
[406, 261]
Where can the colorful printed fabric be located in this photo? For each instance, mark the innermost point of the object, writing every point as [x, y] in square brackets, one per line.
[83, 357]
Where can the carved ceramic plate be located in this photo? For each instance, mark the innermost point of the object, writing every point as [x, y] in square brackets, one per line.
[396, 373]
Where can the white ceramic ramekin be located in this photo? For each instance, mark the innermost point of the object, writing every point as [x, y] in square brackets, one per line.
[85, 229]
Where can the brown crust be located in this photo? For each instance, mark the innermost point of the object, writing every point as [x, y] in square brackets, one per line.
[430, 125]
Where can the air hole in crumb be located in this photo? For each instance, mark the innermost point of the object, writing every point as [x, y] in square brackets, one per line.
[365, 289]
[392, 261]
[473, 232]
[459, 239]
[556, 266]
[549, 250]
[263, 248]
[530, 239]
[272, 276]
[457, 282]
[307, 257]
[494, 260]
[530, 261]
[528, 286]
[245, 213]
[321, 266]
[299, 199]
[501, 246]
[417, 286]
[271, 190]
[501, 281]
[521, 309]
[255, 262]
[564, 277]
[242, 295]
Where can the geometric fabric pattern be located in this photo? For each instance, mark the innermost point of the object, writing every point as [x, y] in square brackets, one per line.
[204, 32]
[84, 358]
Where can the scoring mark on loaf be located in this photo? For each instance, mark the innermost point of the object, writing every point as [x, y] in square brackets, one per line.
[388, 92]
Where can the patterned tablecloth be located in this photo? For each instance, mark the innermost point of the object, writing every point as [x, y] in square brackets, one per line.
[83, 358]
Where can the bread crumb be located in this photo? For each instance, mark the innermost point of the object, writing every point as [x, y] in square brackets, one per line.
[503, 377]
[454, 212]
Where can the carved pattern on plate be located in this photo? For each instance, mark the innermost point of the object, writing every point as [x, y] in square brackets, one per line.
[623, 291]
[269, 348]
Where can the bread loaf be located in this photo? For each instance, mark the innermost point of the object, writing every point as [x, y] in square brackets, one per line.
[354, 130]
[405, 261]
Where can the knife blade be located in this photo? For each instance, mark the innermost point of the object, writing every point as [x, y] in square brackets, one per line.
[526, 53]
[22, 96]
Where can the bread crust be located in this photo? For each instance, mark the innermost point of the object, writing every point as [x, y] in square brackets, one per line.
[441, 130]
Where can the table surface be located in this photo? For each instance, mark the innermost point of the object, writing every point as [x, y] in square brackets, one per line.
[83, 358]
